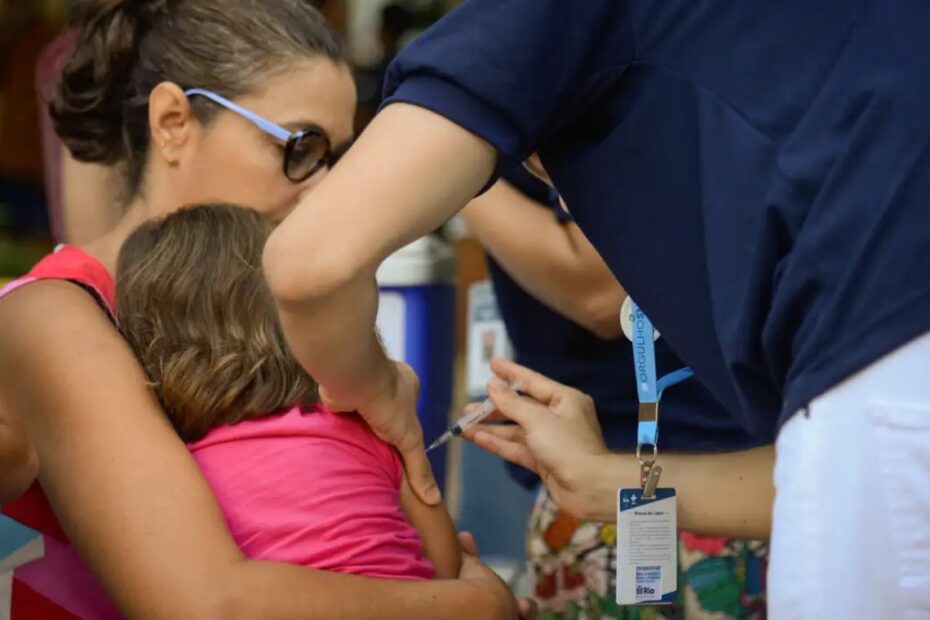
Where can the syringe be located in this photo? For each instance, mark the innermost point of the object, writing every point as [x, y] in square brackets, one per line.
[471, 418]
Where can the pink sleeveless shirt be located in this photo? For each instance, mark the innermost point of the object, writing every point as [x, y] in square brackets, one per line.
[313, 488]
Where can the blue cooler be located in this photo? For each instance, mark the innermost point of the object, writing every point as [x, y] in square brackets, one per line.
[416, 318]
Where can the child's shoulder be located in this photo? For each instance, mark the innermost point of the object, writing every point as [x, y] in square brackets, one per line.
[352, 427]
[312, 421]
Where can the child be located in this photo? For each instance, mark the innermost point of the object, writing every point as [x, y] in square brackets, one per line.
[296, 483]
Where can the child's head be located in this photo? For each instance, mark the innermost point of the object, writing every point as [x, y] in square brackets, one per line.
[193, 303]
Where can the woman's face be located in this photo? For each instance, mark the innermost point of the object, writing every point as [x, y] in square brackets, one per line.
[232, 160]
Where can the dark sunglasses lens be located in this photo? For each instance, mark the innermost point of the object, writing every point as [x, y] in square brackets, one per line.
[305, 156]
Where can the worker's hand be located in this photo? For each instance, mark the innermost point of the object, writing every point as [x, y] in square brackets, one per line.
[557, 436]
[390, 409]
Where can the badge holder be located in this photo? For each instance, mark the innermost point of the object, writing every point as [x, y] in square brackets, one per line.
[647, 531]
[487, 338]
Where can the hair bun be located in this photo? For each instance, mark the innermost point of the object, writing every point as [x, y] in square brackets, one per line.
[84, 11]
[145, 10]
[95, 79]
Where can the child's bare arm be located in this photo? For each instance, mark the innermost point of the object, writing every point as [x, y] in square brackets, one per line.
[440, 543]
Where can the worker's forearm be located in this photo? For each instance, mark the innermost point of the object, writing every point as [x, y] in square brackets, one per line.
[337, 329]
[408, 173]
[524, 238]
[555, 263]
[724, 494]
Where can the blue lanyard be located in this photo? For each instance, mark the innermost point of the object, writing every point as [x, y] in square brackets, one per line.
[648, 388]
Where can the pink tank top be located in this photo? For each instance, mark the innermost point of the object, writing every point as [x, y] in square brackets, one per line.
[313, 488]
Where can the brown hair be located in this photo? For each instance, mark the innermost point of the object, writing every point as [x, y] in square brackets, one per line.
[193, 303]
[127, 47]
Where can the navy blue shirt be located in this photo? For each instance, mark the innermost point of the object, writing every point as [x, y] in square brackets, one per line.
[544, 340]
[754, 172]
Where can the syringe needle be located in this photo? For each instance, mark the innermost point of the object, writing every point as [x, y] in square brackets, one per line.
[470, 419]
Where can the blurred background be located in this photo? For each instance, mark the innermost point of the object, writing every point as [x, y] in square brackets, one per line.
[481, 496]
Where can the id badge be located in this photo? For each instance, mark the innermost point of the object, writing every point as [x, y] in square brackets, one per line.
[647, 547]
[487, 338]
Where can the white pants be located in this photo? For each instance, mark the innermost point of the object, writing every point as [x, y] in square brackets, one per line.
[851, 531]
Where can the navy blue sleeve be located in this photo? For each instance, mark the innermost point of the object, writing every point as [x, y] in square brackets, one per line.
[513, 71]
[535, 189]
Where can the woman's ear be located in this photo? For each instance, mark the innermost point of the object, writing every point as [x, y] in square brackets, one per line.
[171, 121]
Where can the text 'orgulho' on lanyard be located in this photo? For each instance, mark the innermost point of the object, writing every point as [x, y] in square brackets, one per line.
[649, 389]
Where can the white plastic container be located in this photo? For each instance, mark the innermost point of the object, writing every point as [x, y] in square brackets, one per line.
[416, 318]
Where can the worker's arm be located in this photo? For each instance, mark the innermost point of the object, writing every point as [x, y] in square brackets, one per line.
[490, 78]
[321, 262]
[558, 437]
[552, 261]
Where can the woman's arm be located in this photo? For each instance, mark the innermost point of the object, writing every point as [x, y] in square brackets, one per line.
[19, 464]
[440, 544]
[725, 494]
[553, 262]
[719, 494]
[133, 502]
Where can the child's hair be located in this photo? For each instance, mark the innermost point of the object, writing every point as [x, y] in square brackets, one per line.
[193, 303]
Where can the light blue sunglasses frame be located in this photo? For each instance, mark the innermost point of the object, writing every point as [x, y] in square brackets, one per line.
[291, 139]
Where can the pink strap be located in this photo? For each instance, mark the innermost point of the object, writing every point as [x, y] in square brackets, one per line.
[15, 284]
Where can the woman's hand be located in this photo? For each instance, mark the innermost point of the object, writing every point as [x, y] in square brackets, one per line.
[390, 409]
[557, 436]
[19, 464]
[474, 572]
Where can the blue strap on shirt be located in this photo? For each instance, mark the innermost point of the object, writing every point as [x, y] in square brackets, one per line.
[648, 388]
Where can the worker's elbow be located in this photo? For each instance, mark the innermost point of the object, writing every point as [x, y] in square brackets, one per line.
[604, 330]
[298, 272]
[600, 315]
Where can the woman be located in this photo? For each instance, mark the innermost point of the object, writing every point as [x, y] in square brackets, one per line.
[124, 489]
[560, 304]
[752, 173]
